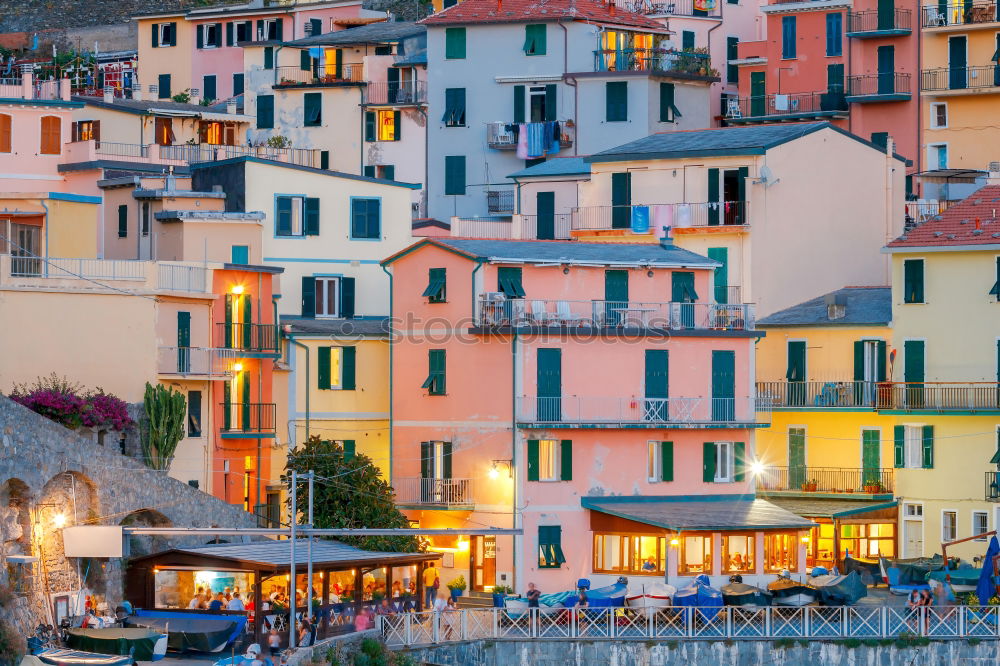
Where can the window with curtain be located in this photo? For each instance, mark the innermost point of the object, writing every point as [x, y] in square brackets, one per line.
[636, 554]
[386, 125]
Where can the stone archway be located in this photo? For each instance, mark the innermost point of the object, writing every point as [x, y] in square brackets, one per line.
[137, 546]
[69, 498]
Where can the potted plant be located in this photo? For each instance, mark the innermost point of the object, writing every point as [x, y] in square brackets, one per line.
[457, 586]
[810, 485]
[500, 593]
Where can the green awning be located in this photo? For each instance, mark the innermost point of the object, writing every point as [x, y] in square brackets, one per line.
[434, 287]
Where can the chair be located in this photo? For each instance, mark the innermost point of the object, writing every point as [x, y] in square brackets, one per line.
[539, 312]
[564, 314]
[935, 17]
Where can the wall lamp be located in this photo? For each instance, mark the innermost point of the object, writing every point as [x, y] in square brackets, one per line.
[495, 471]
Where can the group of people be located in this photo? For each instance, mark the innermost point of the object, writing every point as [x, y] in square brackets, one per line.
[228, 599]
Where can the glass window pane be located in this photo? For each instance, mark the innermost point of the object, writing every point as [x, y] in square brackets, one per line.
[738, 553]
[335, 353]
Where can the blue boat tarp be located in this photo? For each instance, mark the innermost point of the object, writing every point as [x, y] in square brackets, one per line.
[612, 596]
[839, 590]
[699, 594]
[62, 657]
[556, 599]
[986, 586]
[963, 576]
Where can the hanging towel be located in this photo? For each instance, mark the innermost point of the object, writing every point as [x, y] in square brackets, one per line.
[536, 140]
[552, 131]
[522, 143]
[781, 102]
[683, 215]
[640, 219]
[661, 216]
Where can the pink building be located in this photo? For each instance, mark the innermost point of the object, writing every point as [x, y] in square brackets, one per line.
[592, 394]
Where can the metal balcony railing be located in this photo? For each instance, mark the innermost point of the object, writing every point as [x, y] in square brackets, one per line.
[870, 480]
[248, 337]
[394, 94]
[290, 75]
[960, 78]
[669, 8]
[71, 268]
[248, 417]
[928, 396]
[512, 227]
[434, 492]
[873, 20]
[502, 135]
[652, 60]
[958, 14]
[500, 201]
[828, 101]
[886, 83]
[638, 410]
[116, 149]
[728, 293]
[204, 362]
[173, 277]
[495, 311]
[648, 217]
[823, 394]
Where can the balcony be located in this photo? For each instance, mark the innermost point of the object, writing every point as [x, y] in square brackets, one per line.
[196, 362]
[670, 8]
[636, 411]
[290, 76]
[383, 93]
[868, 481]
[444, 493]
[89, 151]
[504, 136]
[961, 80]
[661, 61]
[512, 227]
[959, 16]
[248, 419]
[793, 106]
[73, 274]
[27, 86]
[252, 338]
[495, 311]
[650, 218]
[939, 397]
[882, 87]
[874, 23]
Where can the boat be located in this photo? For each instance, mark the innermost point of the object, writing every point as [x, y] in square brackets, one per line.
[547, 603]
[64, 657]
[839, 590]
[649, 595]
[963, 579]
[787, 592]
[700, 594]
[738, 593]
[199, 632]
[609, 596]
[866, 568]
[141, 643]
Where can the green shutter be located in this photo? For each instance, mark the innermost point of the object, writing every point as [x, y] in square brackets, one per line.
[666, 102]
[534, 39]
[687, 40]
[227, 401]
[323, 372]
[308, 296]
[265, 112]
[796, 370]
[898, 446]
[927, 450]
[454, 43]
[454, 174]
[247, 319]
[721, 274]
[397, 126]
[708, 462]
[621, 200]
[347, 297]
[666, 461]
[657, 374]
[446, 460]
[183, 329]
[348, 362]
[532, 460]
[229, 321]
[368, 172]
[859, 360]
[518, 104]
[880, 369]
[305, 61]
[123, 221]
[616, 101]
[245, 403]
[311, 216]
[268, 57]
[550, 102]
[312, 109]
[350, 449]
[913, 281]
[283, 206]
[740, 461]
[156, 35]
[426, 461]
[713, 196]
[566, 460]
[199, 40]
[742, 190]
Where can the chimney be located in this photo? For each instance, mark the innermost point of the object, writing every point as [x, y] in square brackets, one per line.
[195, 97]
[231, 106]
[109, 95]
[611, 7]
[667, 239]
[836, 306]
[170, 182]
[137, 93]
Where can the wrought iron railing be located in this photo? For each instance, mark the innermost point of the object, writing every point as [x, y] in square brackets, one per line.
[672, 7]
[500, 201]
[502, 135]
[116, 149]
[824, 394]
[956, 14]
[652, 60]
[873, 480]
[828, 101]
[653, 216]
[874, 20]
[288, 75]
[248, 337]
[402, 93]
[196, 361]
[444, 492]
[248, 417]
[907, 396]
[888, 83]
[960, 78]
[636, 410]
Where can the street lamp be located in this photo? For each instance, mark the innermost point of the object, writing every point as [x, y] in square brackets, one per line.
[494, 472]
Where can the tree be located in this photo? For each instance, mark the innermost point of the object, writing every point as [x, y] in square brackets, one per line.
[165, 410]
[348, 493]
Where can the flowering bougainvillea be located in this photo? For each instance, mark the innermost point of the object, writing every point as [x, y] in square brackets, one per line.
[63, 403]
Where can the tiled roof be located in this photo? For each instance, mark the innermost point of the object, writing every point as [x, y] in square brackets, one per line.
[865, 306]
[698, 513]
[972, 221]
[557, 166]
[469, 12]
[373, 33]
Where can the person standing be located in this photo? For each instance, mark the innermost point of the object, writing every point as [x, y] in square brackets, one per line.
[432, 581]
[533, 594]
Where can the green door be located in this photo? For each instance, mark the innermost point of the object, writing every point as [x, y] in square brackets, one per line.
[721, 255]
[549, 378]
[886, 14]
[682, 292]
[797, 472]
[870, 457]
[615, 296]
[183, 342]
[657, 391]
[958, 62]
[621, 200]
[545, 215]
[714, 199]
[795, 373]
[758, 94]
[913, 372]
[723, 386]
[886, 56]
[245, 402]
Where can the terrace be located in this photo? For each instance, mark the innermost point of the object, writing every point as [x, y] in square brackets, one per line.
[440, 493]
[645, 218]
[513, 227]
[504, 136]
[881, 87]
[672, 8]
[666, 61]
[959, 16]
[27, 86]
[181, 154]
[384, 93]
[637, 411]
[73, 274]
[960, 80]
[792, 106]
[931, 397]
[872, 23]
[291, 76]
[248, 337]
[797, 480]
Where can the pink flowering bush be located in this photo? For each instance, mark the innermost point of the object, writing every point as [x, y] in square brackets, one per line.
[106, 411]
[63, 403]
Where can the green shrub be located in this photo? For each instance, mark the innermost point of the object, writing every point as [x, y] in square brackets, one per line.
[12, 645]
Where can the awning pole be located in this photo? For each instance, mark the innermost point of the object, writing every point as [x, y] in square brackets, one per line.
[291, 597]
[309, 551]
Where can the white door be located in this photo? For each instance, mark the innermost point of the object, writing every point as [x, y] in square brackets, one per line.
[913, 533]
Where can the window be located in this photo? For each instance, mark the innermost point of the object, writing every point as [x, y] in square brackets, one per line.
[164, 34]
[780, 552]
[913, 281]
[939, 115]
[387, 125]
[834, 36]
[194, 414]
[216, 133]
[534, 39]
[313, 26]
[435, 463]
[659, 461]
[366, 218]
[336, 368]
[268, 57]
[732, 53]
[949, 526]
[209, 36]
[385, 171]
[616, 101]
[687, 40]
[5, 133]
[454, 107]
[327, 297]
[980, 524]
[296, 216]
[668, 107]
[454, 43]
[638, 554]
[51, 137]
[695, 555]
[787, 37]
[454, 174]
[319, 298]
[550, 554]
[872, 540]
[738, 553]
[913, 510]
[240, 254]
[914, 445]
[123, 221]
[436, 291]
[550, 460]
[163, 86]
[243, 31]
[268, 30]
[85, 130]
[265, 111]
[436, 370]
[312, 109]
[723, 462]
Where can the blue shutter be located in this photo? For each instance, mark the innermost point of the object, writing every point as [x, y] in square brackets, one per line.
[454, 174]
[265, 112]
[788, 46]
[454, 43]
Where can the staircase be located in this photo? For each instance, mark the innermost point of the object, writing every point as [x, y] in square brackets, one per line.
[475, 600]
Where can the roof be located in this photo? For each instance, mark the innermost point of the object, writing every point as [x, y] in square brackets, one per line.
[469, 12]
[373, 33]
[972, 221]
[951, 175]
[209, 215]
[829, 508]
[699, 513]
[410, 59]
[718, 142]
[557, 166]
[565, 252]
[299, 167]
[866, 306]
[338, 328]
[163, 107]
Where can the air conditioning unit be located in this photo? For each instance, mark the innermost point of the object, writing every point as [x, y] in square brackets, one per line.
[994, 166]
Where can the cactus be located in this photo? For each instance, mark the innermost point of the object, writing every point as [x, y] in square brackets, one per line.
[165, 409]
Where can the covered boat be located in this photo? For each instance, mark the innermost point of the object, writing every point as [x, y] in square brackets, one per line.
[190, 631]
[650, 595]
[738, 593]
[836, 590]
[964, 579]
[787, 592]
[866, 568]
[62, 657]
[610, 596]
[699, 594]
[142, 643]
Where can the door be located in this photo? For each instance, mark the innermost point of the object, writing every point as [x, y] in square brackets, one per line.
[392, 85]
[721, 255]
[886, 70]
[621, 200]
[723, 386]
[682, 292]
[869, 370]
[758, 94]
[913, 372]
[797, 472]
[957, 63]
[886, 14]
[871, 462]
[657, 387]
[615, 296]
[244, 402]
[913, 531]
[795, 373]
[545, 215]
[549, 377]
[183, 342]
[483, 562]
[25, 250]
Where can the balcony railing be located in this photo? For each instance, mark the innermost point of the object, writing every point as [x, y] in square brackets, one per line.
[296, 76]
[495, 311]
[958, 14]
[196, 361]
[823, 394]
[827, 102]
[268, 515]
[503, 135]
[248, 337]
[960, 78]
[248, 417]
[398, 94]
[643, 218]
[85, 269]
[173, 277]
[728, 293]
[669, 8]
[116, 149]
[558, 229]
[942, 396]
[872, 85]
[638, 410]
[870, 480]
[653, 60]
[434, 492]
[500, 201]
[511, 227]
[929, 396]
[878, 22]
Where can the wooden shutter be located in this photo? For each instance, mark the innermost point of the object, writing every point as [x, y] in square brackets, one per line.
[268, 57]
[350, 449]
[518, 104]
[898, 446]
[657, 374]
[312, 109]
[229, 321]
[666, 102]
[156, 35]
[796, 369]
[397, 125]
[229, 35]
[742, 189]
[183, 329]
[200, 37]
[227, 401]
[323, 380]
[927, 447]
[369, 125]
[550, 100]
[283, 205]
[51, 128]
[348, 363]
[721, 273]
[426, 461]
[368, 171]
[913, 281]
[308, 296]
[616, 101]
[123, 221]
[247, 318]
[454, 43]
[389, 172]
[347, 297]
[324, 159]
[5, 133]
[278, 29]
[454, 174]
[708, 462]
[666, 461]
[311, 216]
[687, 40]
[566, 460]
[208, 87]
[265, 112]
[532, 460]
[238, 84]
[305, 60]
[437, 366]
[739, 461]
[373, 218]
[859, 360]
[713, 196]
[880, 360]
[446, 460]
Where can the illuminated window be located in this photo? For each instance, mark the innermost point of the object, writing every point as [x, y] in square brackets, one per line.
[695, 555]
[781, 552]
[386, 125]
[630, 553]
[548, 460]
[164, 131]
[211, 133]
[738, 553]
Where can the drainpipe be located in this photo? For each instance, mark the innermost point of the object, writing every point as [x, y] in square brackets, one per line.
[479, 264]
[295, 342]
[709, 45]
[571, 81]
[46, 222]
[427, 164]
[516, 479]
[391, 338]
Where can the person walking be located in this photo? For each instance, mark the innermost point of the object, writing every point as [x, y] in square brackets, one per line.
[432, 581]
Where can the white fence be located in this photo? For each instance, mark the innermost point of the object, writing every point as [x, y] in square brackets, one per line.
[182, 278]
[729, 622]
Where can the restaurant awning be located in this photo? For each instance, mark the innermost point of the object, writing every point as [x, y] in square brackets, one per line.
[831, 508]
[699, 513]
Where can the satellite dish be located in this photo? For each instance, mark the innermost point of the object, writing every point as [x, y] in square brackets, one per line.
[766, 177]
